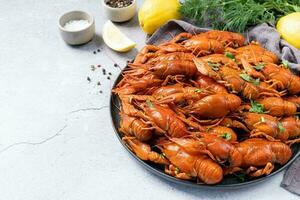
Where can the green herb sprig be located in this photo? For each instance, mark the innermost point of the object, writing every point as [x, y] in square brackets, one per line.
[226, 136]
[257, 108]
[259, 66]
[286, 64]
[236, 15]
[280, 127]
[249, 79]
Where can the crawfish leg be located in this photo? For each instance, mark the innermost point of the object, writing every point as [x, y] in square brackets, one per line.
[174, 171]
[231, 170]
[158, 130]
[291, 142]
[255, 133]
[191, 123]
[143, 151]
[259, 172]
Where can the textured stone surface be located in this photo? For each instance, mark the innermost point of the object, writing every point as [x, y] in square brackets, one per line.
[56, 139]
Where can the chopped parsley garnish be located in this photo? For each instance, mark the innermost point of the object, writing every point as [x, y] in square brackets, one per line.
[208, 129]
[259, 66]
[198, 90]
[257, 108]
[280, 127]
[285, 64]
[162, 155]
[246, 77]
[226, 136]
[149, 103]
[249, 79]
[229, 55]
[256, 81]
[177, 170]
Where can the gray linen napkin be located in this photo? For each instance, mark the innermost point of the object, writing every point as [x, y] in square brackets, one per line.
[267, 36]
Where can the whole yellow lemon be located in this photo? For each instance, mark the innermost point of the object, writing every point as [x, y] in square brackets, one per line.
[289, 28]
[155, 13]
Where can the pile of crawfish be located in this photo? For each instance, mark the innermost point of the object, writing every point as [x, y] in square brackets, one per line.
[205, 106]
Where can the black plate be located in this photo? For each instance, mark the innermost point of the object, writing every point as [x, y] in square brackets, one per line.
[228, 182]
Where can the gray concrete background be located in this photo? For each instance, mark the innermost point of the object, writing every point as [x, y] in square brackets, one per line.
[56, 139]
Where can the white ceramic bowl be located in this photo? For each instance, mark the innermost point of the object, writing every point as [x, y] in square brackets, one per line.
[119, 14]
[79, 36]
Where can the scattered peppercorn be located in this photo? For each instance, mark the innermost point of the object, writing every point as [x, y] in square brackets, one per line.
[108, 78]
[94, 52]
[100, 91]
[98, 50]
[98, 66]
[93, 68]
[89, 79]
[98, 83]
[110, 73]
[116, 65]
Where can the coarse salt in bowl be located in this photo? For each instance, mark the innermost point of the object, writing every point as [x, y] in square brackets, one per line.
[76, 27]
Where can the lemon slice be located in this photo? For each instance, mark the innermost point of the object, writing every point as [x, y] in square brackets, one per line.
[115, 39]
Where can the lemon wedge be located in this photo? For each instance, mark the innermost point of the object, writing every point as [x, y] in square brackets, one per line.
[115, 39]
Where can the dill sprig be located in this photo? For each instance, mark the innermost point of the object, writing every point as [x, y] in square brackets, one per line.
[236, 15]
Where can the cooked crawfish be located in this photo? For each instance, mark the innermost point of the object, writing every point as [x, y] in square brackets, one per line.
[151, 51]
[282, 78]
[203, 46]
[276, 106]
[263, 125]
[217, 60]
[132, 126]
[177, 93]
[199, 45]
[202, 81]
[217, 148]
[225, 37]
[174, 67]
[164, 120]
[293, 99]
[232, 80]
[255, 54]
[129, 109]
[258, 152]
[171, 56]
[223, 132]
[143, 151]
[187, 166]
[132, 84]
[291, 126]
[215, 106]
